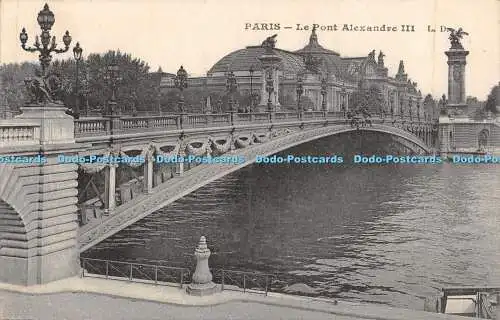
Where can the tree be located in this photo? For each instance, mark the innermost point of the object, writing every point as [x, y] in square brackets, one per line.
[137, 85]
[492, 101]
[12, 93]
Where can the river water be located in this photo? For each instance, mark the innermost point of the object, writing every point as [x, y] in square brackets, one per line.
[392, 234]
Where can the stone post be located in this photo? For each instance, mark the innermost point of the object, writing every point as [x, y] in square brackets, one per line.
[202, 284]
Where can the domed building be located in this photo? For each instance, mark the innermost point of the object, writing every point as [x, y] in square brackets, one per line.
[317, 70]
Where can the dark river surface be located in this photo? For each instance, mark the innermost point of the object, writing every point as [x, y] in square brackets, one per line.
[390, 234]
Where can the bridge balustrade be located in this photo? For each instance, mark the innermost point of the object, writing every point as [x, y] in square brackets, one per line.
[13, 133]
[261, 117]
[102, 125]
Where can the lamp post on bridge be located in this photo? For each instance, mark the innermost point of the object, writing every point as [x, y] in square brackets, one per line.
[323, 95]
[418, 111]
[180, 82]
[401, 98]
[77, 53]
[231, 86]
[269, 90]
[300, 91]
[391, 101]
[343, 94]
[113, 77]
[251, 71]
[45, 46]
[134, 104]
[410, 104]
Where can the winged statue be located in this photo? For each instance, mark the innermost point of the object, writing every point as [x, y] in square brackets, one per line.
[270, 41]
[456, 36]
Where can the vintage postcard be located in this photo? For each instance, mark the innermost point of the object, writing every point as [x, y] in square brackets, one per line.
[286, 159]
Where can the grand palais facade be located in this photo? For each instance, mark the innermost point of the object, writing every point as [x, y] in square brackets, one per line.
[316, 68]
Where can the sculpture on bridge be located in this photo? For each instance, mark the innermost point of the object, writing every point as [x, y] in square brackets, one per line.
[43, 89]
[270, 42]
[381, 56]
[455, 37]
[371, 55]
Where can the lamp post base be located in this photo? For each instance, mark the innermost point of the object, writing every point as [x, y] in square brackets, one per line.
[201, 290]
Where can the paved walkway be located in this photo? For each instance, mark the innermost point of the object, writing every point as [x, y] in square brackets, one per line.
[94, 298]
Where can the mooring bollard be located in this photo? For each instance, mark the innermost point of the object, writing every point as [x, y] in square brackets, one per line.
[202, 284]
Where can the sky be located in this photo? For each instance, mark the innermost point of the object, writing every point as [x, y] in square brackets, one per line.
[197, 33]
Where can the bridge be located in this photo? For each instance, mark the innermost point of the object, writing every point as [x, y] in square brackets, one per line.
[52, 211]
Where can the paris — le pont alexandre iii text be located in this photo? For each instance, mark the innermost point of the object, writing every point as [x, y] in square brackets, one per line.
[270, 26]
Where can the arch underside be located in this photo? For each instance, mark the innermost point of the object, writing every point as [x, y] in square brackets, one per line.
[201, 175]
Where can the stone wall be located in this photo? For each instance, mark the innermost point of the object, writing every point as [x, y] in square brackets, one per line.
[463, 135]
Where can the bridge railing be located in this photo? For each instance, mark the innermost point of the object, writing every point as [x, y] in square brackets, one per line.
[245, 281]
[103, 125]
[135, 272]
[92, 126]
[14, 133]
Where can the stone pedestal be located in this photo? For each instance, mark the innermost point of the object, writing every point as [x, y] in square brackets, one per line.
[456, 81]
[38, 212]
[202, 284]
[56, 127]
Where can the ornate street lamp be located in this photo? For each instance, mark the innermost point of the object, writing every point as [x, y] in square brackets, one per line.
[269, 90]
[134, 103]
[158, 101]
[410, 104]
[418, 111]
[45, 46]
[391, 101]
[85, 92]
[180, 83]
[231, 86]
[251, 71]
[343, 94]
[401, 98]
[77, 53]
[323, 94]
[112, 77]
[300, 91]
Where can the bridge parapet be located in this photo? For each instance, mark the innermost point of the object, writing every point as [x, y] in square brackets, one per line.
[16, 132]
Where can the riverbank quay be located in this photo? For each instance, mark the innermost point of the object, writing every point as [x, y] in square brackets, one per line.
[96, 298]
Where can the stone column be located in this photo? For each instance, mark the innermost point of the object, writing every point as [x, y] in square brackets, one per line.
[263, 94]
[456, 79]
[275, 95]
[202, 284]
[110, 188]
